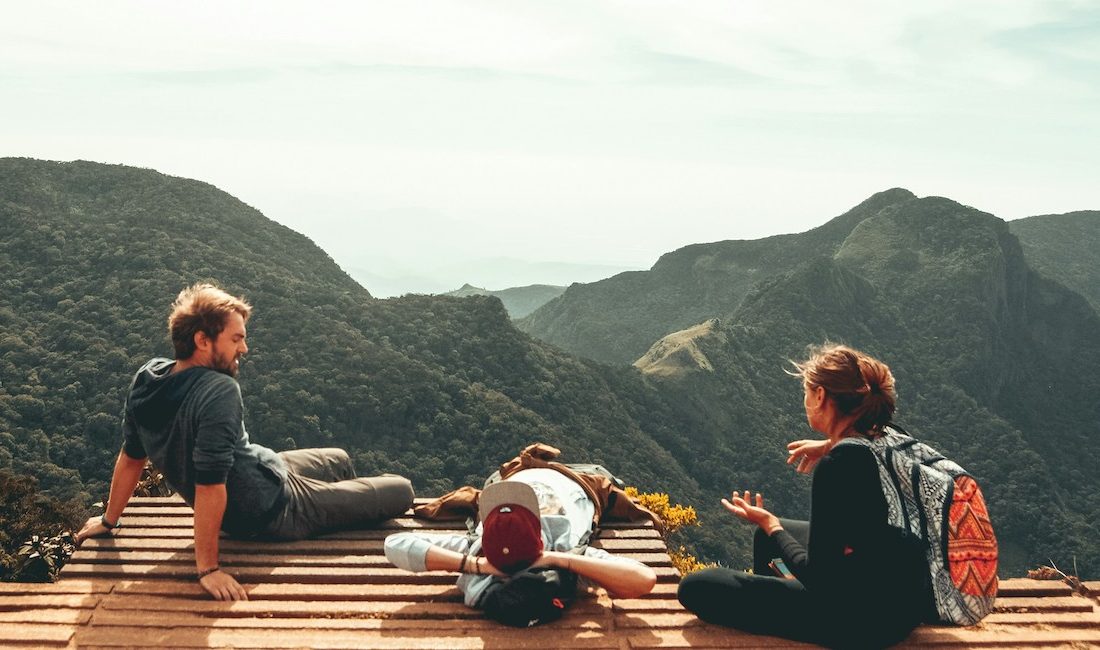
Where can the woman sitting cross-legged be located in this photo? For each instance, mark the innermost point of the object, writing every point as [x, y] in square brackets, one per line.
[857, 581]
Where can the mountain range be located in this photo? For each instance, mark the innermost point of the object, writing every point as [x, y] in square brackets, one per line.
[518, 301]
[992, 356]
[387, 277]
[617, 319]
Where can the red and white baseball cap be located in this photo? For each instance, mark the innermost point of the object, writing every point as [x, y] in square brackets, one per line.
[511, 529]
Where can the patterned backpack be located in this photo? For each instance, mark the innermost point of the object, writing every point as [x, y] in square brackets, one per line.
[933, 497]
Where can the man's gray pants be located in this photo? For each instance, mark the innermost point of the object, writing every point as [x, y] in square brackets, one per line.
[325, 495]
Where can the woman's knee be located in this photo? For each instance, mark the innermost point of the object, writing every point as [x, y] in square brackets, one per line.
[704, 591]
[763, 547]
[760, 538]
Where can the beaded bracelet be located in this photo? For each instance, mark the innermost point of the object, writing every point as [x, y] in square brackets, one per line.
[205, 572]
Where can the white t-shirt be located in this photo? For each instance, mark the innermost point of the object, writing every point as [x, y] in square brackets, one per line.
[560, 495]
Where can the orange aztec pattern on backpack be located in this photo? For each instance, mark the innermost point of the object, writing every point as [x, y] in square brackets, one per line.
[933, 497]
[971, 544]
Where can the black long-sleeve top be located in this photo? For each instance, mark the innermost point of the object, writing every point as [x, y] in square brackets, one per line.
[853, 553]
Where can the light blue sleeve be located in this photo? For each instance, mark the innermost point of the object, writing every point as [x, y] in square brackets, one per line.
[409, 551]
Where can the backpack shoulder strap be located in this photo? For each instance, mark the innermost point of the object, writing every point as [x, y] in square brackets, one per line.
[584, 541]
[471, 530]
[599, 470]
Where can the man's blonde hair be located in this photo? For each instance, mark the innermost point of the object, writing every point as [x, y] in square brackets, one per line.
[201, 307]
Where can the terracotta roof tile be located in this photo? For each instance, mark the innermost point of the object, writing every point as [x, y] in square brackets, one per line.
[136, 589]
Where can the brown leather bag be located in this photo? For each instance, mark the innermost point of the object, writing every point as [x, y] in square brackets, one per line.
[610, 501]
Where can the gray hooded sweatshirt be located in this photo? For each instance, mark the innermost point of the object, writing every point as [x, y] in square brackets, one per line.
[190, 424]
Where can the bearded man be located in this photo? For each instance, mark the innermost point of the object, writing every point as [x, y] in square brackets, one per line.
[186, 416]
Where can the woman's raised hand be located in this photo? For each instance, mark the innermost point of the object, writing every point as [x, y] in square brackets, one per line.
[742, 506]
[804, 454]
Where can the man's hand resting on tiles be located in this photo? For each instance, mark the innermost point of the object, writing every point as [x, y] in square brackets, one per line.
[223, 586]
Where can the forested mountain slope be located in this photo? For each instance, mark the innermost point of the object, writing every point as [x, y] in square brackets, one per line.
[995, 366]
[440, 389]
[1064, 247]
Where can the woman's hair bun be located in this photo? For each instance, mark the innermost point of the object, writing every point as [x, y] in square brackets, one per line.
[859, 384]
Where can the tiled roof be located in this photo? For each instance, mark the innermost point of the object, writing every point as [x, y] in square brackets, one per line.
[136, 590]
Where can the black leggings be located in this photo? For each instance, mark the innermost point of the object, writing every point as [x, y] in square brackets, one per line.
[763, 604]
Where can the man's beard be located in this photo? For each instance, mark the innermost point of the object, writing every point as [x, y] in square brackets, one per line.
[227, 366]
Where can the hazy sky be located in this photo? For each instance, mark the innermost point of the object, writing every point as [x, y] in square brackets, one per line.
[426, 144]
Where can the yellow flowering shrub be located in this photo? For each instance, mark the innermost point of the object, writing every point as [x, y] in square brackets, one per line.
[675, 518]
[685, 562]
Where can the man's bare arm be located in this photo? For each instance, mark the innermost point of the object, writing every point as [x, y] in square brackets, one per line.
[125, 478]
[620, 579]
[210, 503]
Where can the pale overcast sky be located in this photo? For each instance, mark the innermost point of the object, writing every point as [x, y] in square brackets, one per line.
[427, 144]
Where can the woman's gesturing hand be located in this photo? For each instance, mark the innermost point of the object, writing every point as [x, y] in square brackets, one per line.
[806, 453]
[742, 506]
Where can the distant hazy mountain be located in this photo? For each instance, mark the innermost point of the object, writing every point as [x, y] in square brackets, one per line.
[390, 278]
[618, 319]
[1064, 247]
[396, 284]
[518, 301]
